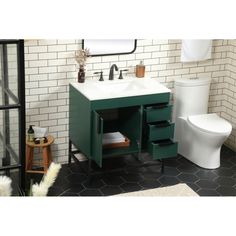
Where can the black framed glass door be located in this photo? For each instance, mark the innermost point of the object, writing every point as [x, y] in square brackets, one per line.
[12, 109]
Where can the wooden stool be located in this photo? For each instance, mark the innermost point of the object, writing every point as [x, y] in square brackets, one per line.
[47, 155]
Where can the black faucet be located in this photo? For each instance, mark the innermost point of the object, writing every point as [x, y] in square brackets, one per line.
[111, 74]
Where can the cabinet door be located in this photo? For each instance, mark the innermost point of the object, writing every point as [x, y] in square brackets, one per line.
[97, 135]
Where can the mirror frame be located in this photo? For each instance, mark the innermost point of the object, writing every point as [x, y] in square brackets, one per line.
[112, 54]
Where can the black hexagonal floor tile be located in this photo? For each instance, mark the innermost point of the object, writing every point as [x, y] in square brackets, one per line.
[172, 162]
[68, 194]
[62, 182]
[75, 188]
[111, 190]
[188, 168]
[233, 159]
[226, 191]
[193, 186]
[151, 172]
[90, 193]
[206, 174]
[76, 178]
[226, 164]
[54, 191]
[93, 183]
[171, 171]
[224, 172]
[74, 168]
[207, 184]
[184, 161]
[112, 180]
[208, 192]
[132, 177]
[72, 181]
[168, 180]
[156, 168]
[65, 170]
[150, 184]
[187, 178]
[130, 187]
[225, 181]
[233, 168]
[234, 177]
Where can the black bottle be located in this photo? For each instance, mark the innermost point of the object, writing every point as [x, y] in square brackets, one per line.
[30, 134]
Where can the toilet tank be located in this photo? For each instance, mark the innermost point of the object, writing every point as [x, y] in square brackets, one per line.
[191, 97]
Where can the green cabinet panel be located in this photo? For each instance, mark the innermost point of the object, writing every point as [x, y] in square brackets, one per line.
[162, 149]
[80, 121]
[130, 101]
[159, 131]
[97, 135]
[159, 112]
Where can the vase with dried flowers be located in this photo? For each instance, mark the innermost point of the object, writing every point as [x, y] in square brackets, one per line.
[81, 57]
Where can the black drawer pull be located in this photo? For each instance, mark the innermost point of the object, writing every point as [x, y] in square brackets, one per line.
[162, 125]
[161, 106]
[168, 142]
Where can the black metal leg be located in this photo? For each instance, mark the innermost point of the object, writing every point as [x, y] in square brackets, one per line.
[69, 153]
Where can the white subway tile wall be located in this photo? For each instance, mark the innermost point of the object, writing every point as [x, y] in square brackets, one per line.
[229, 91]
[50, 67]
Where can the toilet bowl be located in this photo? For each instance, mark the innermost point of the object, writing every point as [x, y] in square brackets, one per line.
[202, 138]
[199, 135]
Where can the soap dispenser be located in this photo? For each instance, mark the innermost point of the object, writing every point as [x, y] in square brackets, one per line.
[140, 70]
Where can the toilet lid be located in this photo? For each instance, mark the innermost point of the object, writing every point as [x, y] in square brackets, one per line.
[210, 123]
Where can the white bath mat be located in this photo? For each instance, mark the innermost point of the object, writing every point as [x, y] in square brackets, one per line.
[170, 191]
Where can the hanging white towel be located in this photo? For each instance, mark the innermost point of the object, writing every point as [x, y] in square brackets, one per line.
[196, 50]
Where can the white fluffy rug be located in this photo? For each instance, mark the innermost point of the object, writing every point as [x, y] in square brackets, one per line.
[170, 191]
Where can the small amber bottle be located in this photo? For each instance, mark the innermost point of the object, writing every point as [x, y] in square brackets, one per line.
[140, 70]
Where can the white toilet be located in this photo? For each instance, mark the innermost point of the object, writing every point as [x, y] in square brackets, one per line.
[199, 135]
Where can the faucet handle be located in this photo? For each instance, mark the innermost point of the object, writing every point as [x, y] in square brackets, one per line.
[101, 75]
[121, 75]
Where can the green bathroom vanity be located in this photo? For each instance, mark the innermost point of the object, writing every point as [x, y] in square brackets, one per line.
[138, 108]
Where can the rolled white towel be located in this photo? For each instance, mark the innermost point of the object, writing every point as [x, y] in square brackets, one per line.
[196, 50]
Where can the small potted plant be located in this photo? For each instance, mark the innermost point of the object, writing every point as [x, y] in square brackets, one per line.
[81, 58]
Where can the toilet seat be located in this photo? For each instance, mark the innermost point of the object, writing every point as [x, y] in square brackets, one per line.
[210, 123]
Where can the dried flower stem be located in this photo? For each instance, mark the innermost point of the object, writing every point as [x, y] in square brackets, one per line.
[81, 56]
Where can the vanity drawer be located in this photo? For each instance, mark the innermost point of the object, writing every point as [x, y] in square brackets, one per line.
[158, 112]
[163, 149]
[160, 131]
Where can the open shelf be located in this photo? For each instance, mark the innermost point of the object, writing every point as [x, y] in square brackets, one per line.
[133, 148]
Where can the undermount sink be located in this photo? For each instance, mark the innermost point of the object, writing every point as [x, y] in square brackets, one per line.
[96, 90]
[117, 87]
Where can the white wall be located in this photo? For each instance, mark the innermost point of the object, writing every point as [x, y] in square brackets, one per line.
[50, 66]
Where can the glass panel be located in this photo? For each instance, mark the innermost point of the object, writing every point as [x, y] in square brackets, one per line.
[9, 133]
[12, 68]
[8, 77]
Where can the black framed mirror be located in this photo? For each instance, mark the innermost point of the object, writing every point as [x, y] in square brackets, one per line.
[108, 47]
